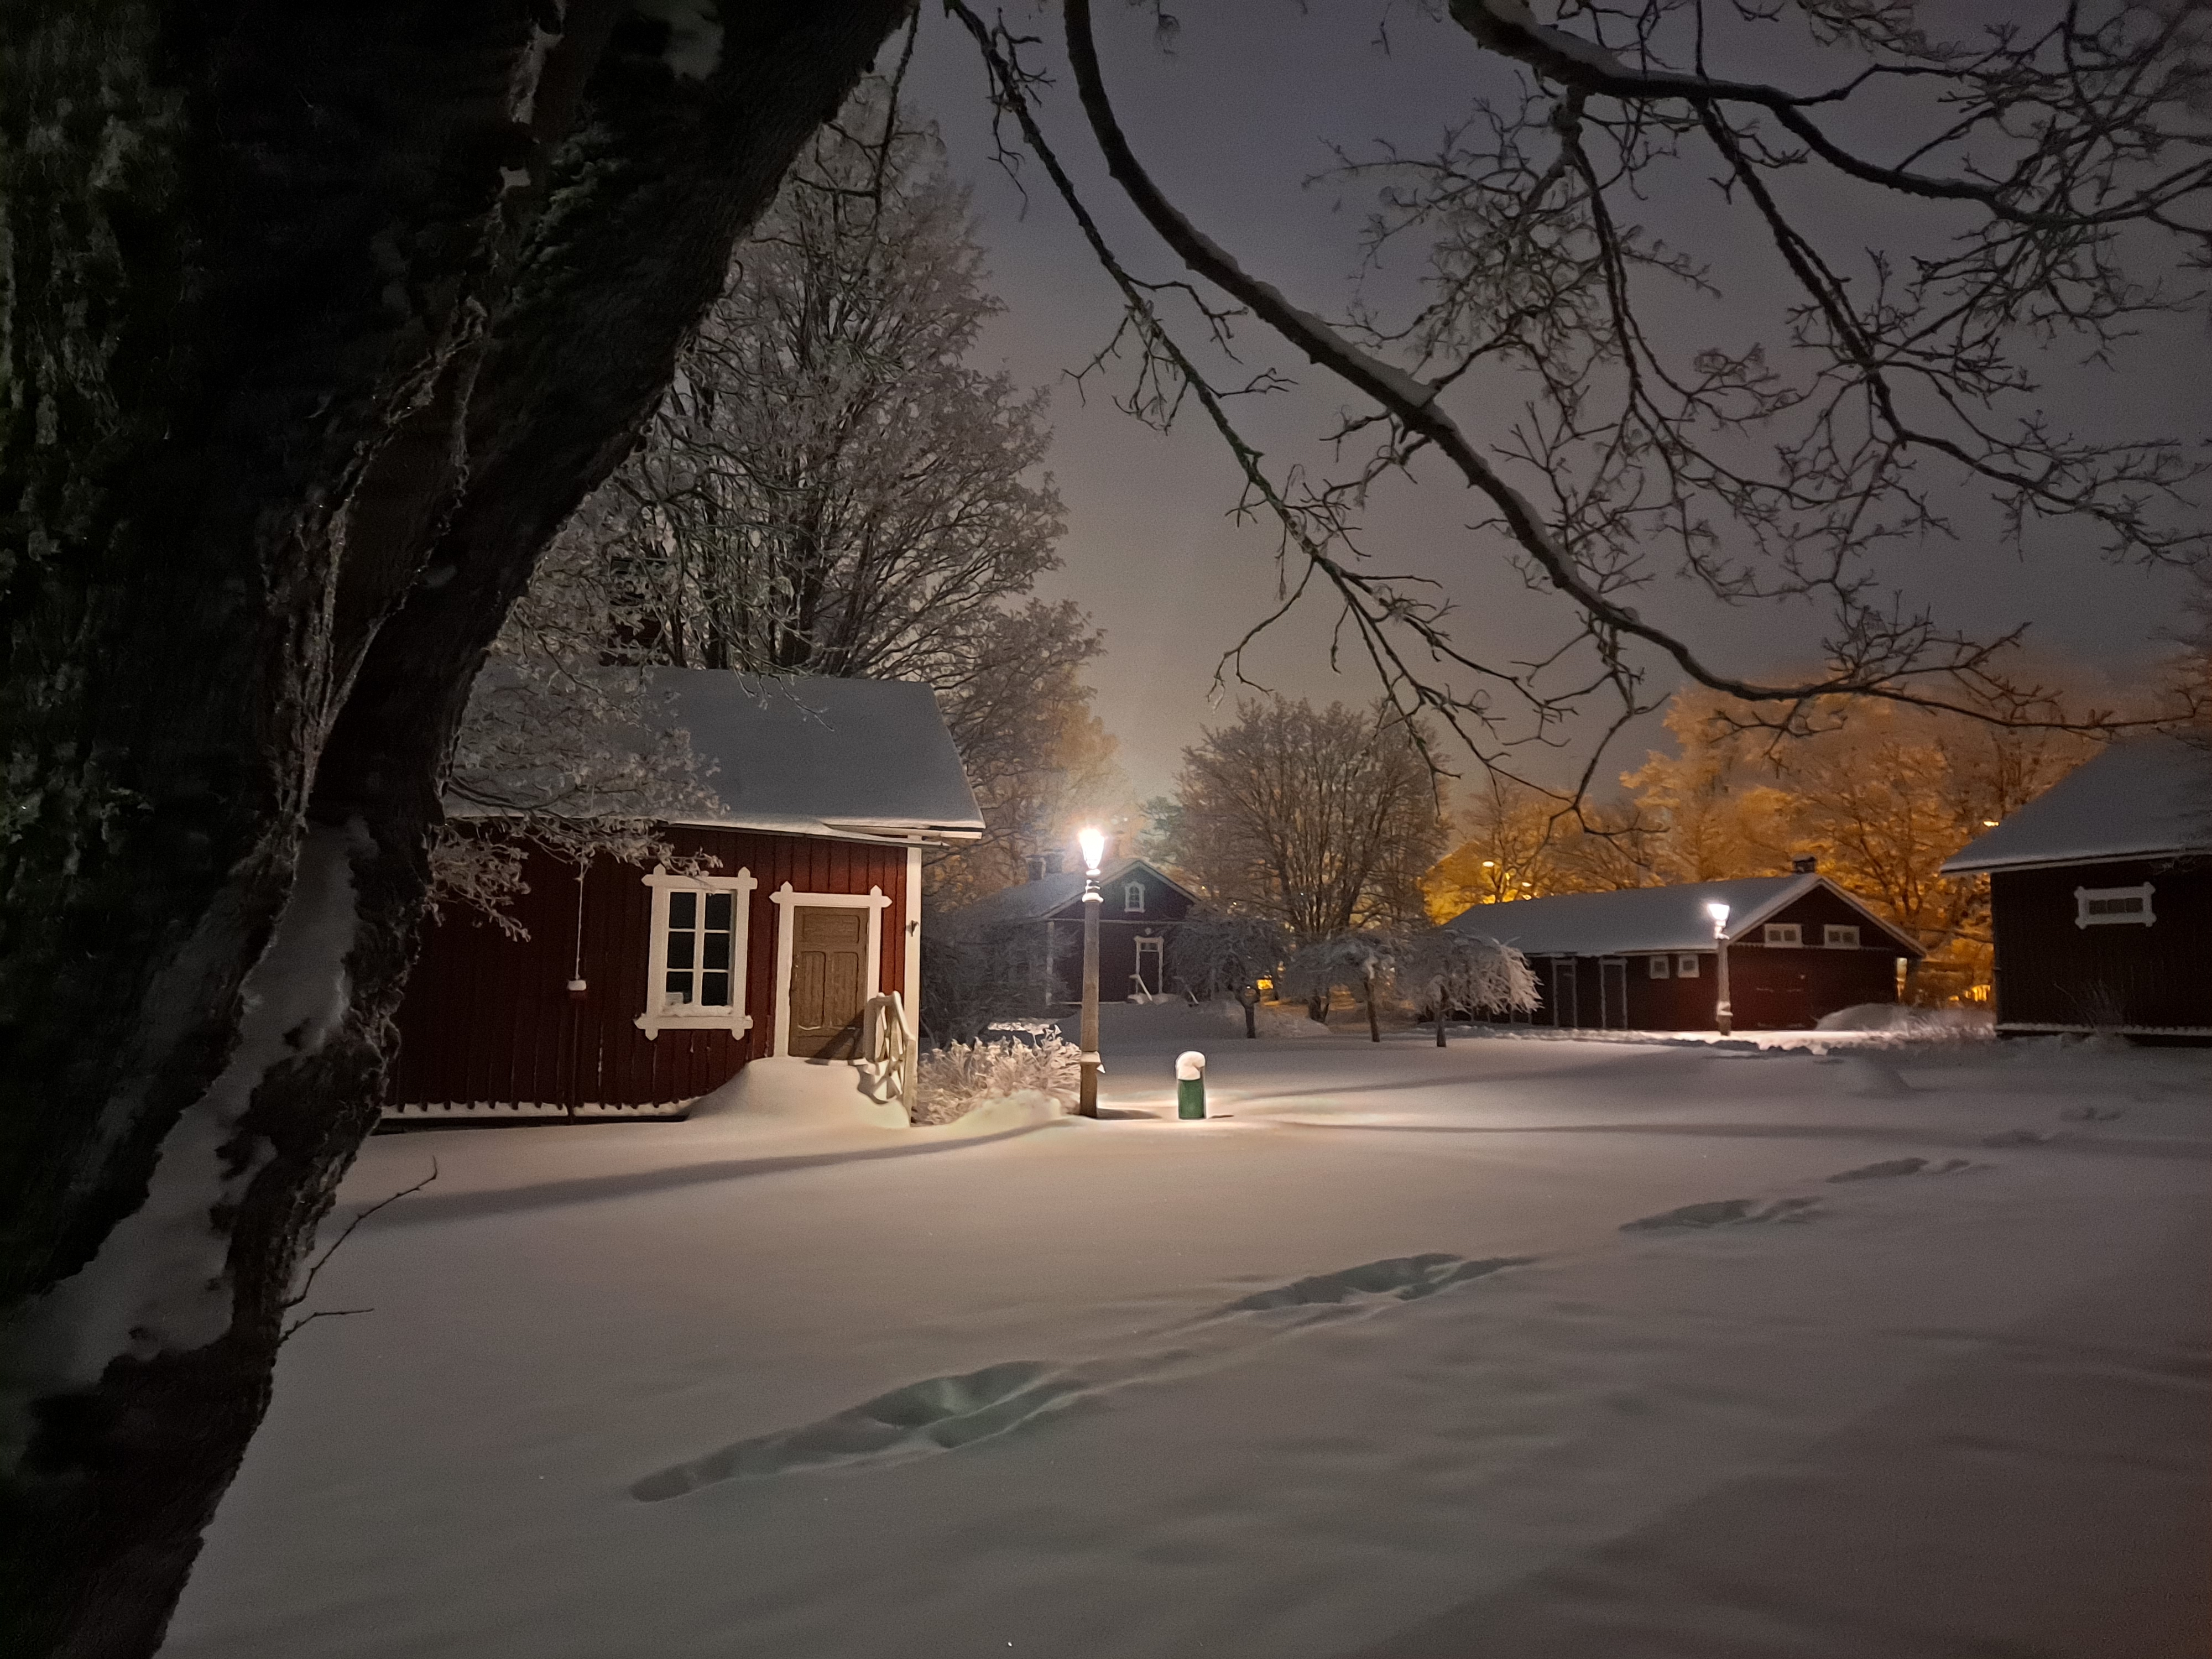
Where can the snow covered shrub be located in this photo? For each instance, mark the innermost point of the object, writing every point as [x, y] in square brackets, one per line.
[957, 1078]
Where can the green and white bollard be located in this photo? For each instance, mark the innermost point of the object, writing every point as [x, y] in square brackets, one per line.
[1190, 1084]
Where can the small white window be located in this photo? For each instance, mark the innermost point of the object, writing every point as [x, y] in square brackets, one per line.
[696, 977]
[1658, 966]
[2104, 907]
[1686, 967]
[1840, 938]
[1133, 898]
[1783, 932]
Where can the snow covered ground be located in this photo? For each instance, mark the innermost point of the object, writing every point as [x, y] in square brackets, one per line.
[1518, 1348]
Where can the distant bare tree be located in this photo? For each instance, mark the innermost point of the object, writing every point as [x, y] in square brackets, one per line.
[1320, 820]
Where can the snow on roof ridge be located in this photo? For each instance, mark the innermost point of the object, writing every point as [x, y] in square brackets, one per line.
[2136, 798]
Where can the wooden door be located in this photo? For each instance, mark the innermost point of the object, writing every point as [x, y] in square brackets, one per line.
[828, 966]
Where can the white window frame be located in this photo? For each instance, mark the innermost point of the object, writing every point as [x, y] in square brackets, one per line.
[1686, 965]
[1659, 968]
[1839, 936]
[1133, 898]
[2142, 918]
[691, 1017]
[1768, 935]
[874, 900]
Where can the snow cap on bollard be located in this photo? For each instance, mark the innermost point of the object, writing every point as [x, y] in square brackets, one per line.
[1190, 1084]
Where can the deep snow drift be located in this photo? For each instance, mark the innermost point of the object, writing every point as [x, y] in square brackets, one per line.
[1516, 1348]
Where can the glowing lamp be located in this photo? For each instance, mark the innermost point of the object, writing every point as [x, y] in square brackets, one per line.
[1719, 913]
[1093, 843]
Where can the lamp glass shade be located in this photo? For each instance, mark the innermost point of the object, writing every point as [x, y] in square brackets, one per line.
[1093, 843]
[1719, 913]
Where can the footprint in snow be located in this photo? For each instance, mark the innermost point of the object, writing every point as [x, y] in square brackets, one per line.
[2092, 1113]
[2017, 1138]
[943, 1413]
[1725, 1212]
[1903, 1166]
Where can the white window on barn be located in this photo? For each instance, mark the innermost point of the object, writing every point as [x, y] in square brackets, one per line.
[1686, 967]
[1133, 898]
[1658, 966]
[1838, 937]
[1782, 933]
[2104, 906]
[696, 971]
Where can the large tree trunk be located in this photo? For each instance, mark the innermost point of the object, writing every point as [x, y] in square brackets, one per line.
[316, 320]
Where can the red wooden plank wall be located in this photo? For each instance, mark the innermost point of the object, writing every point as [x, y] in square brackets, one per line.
[489, 1018]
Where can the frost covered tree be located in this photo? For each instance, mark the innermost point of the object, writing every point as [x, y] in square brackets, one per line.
[1321, 820]
[1448, 969]
[1213, 953]
[315, 324]
[832, 487]
[1364, 961]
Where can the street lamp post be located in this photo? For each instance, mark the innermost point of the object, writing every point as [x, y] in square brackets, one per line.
[1723, 1014]
[1093, 843]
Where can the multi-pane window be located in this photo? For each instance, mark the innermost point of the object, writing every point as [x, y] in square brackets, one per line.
[1686, 967]
[700, 928]
[1132, 898]
[1784, 932]
[2098, 907]
[1658, 966]
[1836, 938]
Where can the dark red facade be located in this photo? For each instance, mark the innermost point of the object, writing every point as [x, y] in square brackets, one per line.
[488, 1020]
[2149, 979]
[1771, 988]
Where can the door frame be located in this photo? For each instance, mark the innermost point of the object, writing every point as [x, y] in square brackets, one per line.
[1159, 953]
[1612, 974]
[871, 980]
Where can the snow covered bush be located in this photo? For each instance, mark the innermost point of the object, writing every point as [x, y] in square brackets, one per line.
[957, 1078]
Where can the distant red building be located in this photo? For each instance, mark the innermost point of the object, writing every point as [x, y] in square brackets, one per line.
[1643, 959]
[638, 990]
[2100, 897]
[1140, 907]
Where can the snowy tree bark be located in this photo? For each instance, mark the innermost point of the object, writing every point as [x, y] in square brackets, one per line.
[314, 325]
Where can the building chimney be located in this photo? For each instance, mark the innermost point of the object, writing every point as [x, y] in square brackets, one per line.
[1804, 864]
[1052, 863]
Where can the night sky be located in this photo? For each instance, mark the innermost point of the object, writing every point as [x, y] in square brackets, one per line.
[1235, 119]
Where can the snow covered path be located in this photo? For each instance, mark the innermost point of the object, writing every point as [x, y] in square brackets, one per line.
[1379, 1365]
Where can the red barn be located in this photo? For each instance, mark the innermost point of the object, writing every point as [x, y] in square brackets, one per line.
[638, 990]
[1643, 959]
[2100, 897]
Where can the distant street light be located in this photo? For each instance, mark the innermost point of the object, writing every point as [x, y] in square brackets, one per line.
[1093, 843]
[1723, 1015]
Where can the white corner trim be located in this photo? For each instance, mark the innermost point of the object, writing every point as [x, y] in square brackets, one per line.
[2142, 916]
[875, 901]
[733, 1020]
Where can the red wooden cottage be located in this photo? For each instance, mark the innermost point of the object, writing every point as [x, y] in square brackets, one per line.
[639, 990]
[2100, 897]
[1141, 907]
[1643, 959]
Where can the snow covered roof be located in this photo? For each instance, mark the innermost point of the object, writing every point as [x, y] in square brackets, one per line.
[2140, 798]
[811, 755]
[1035, 900]
[852, 760]
[1647, 918]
